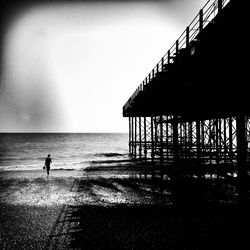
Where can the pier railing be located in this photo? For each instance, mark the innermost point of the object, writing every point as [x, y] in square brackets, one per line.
[205, 16]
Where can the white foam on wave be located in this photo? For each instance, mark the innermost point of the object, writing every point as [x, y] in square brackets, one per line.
[56, 166]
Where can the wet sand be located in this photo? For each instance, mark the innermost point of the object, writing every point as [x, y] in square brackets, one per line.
[117, 207]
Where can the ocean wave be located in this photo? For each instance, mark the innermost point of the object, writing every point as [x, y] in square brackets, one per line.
[20, 167]
[112, 161]
[39, 158]
[110, 154]
[40, 169]
[55, 166]
[18, 158]
[65, 169]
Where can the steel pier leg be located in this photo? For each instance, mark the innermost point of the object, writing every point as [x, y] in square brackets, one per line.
[241, 158]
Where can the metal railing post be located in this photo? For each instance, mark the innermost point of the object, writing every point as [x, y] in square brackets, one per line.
[187, 37]
[219, 6]
[201, 20]
[168, 56]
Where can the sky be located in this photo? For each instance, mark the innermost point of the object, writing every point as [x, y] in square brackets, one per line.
[71, 66]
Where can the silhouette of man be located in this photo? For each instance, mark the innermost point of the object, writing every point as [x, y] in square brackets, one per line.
[48, 161]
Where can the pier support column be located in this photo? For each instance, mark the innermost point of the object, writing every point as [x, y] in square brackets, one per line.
[230, 127]
[132, 137]
[176, 177]
[198, 145]
[185, 140]
[152, 140]
[145, 138]
[241, 158]
[135, 139]
[140, 138]
[175, 142]
[161, 146]
[225, 150]
[202, 138]
[129, 135]
[217, 142]
[167, 144]
[190, 135]
[211, 139]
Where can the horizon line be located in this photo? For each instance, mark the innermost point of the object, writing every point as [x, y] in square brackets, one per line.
[40, 132]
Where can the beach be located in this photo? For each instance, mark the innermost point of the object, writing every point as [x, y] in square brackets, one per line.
[107, 208]
[36, 212]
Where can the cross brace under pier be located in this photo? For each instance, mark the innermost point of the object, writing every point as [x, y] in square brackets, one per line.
[219, 145]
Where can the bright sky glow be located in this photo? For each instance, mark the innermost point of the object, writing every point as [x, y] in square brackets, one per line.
[71, 68]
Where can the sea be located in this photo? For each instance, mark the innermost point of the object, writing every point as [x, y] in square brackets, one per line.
[69, 151]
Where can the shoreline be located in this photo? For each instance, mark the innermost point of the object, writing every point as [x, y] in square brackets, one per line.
[115, 208]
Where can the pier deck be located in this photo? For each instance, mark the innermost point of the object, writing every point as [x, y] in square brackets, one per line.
[192, 108]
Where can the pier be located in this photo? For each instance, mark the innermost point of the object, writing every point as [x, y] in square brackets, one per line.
[190, 116]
